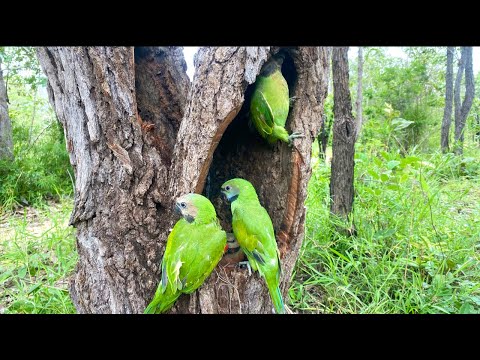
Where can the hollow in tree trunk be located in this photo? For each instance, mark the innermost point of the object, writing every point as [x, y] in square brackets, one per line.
[139, 135]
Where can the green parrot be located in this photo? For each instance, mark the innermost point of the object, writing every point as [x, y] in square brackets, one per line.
[194, 247]
[253, 230]
[270, 103]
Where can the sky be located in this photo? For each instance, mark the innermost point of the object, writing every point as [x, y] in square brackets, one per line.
[189, 52]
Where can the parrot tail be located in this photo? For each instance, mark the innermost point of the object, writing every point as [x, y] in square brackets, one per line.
[162, 302]
[277, 300]
[280, 133]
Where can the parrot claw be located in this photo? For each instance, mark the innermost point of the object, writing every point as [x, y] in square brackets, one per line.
[247, 264]
[292, 100]
[294, 135]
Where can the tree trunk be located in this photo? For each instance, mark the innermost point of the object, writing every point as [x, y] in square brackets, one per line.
[326, 127]
[343, 146]
[447, 113]
[6, 143]
[462, 109]
[323, 136]
[359, 101]
[139, 137]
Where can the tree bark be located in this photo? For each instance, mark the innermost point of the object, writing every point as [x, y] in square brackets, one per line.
[343, 146]
[359, 101]
[6, 142]
[139, 137]
[462, 109]
[447, 113]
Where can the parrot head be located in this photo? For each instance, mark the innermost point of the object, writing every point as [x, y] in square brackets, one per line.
[195, 208]
[234, 188]
[272, 65]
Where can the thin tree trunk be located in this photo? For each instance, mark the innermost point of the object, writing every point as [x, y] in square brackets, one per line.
[323, 136]
[341, 181]
[138, 138]
[447, 113]
[359, 101]
[6, 142]
[462, 109]
[326, 127]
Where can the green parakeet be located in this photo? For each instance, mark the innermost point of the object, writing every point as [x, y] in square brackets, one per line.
[194, 247]
[253, 230]
[270, 102]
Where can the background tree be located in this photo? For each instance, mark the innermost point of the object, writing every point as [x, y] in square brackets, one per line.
[139, 135]
[462, 109]
[359, 101]
[343, 142]
[6, 143]
[447, 114]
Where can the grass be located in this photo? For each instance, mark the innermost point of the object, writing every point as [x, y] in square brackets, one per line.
[418, 222]
[37, 255]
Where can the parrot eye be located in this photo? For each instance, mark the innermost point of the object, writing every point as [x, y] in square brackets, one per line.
[183, 205]
[228, 187]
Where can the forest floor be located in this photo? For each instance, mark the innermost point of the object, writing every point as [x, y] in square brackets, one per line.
[37, 254]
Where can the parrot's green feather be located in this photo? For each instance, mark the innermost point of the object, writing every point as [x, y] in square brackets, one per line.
[164, 281]
[254, 232]
[270, 104]
[192, 252]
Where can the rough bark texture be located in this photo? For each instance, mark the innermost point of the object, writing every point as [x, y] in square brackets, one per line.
[6, 143]
[359, 101]
[136, 163]
[343, 146]
[120, 208]
[447, 113]
[462, 109]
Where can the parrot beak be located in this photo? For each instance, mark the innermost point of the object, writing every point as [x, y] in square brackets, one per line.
[178, 210]
[224, 196]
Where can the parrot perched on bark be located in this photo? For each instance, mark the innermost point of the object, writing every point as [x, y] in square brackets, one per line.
[270, 103]
[253, 230]
[194, 247]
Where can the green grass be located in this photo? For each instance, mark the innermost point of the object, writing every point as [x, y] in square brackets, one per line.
[416, 251]
[37, 255]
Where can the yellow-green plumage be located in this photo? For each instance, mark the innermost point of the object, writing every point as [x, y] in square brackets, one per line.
[194, 247]
[270, 102]
[254, 232]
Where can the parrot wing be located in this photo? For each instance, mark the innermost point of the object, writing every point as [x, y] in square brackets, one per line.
[175, 253]
[255, 233]
[261, 112]
[207, 253]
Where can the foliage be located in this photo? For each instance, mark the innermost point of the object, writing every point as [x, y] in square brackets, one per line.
[417, 245]
[41, 169]
[411, 88]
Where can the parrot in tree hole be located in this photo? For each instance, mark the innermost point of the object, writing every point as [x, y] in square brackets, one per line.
[270, 103]
[253, 230]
